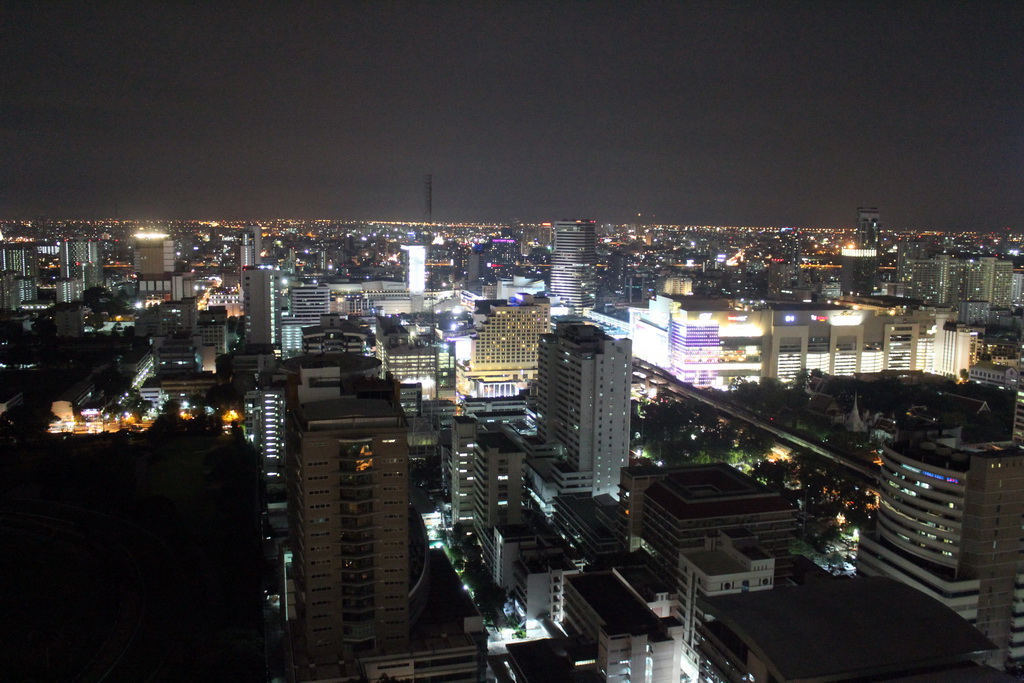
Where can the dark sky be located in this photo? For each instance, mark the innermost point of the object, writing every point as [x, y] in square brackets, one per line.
[746, 113]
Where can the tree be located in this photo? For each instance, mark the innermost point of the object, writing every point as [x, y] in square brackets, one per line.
[25, 422]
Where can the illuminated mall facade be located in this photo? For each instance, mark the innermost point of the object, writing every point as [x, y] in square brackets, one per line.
[714, 342]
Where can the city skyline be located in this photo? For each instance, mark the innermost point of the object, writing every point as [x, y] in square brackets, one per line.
[697, 114]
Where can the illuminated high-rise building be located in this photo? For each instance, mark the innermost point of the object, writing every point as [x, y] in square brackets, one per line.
[583, 394]
[859, 259]
[347, 476]
[81, 260]
[262, 302]
[251, 252]
[20, 259]
[949, 525]
[503, 356]
[154, 255]
[573, 263]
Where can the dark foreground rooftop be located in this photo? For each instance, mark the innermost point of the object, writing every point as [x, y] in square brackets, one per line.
[862, 627]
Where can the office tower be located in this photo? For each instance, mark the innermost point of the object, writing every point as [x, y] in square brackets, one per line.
[262, 304]
[154, 265]
[503, 356]
[583, 384]
[416, 274]
[949, 524]
[409, 354]
[503, 253]
[82, 261]
[868, 228]
[573, 263]
[154, 255]
[348, 508]
[957, 348]
[859, 259]
[251, 251]
[309, 303]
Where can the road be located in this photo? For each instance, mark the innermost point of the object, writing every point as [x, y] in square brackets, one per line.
[669, 383]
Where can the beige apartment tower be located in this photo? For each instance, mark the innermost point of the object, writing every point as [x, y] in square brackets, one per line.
[348, 462]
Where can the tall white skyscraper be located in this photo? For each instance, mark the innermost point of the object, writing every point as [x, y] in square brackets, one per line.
[573, 261]
[262, 303]
[583, 400]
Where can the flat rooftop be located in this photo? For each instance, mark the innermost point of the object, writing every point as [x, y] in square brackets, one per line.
[499, 441]
[860, 627]
[332, 408]
[718, 490]
[617, 607]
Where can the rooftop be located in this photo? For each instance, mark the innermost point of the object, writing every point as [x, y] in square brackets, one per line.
[861, 627]
[315, 411]
[498, 441]
[620, 610]
[718, 490]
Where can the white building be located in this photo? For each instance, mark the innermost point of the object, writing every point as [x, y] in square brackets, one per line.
[573, 261]
[309, 302]
[583, 395]
[633, 643]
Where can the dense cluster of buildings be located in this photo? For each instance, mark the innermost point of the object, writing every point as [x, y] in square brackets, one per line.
[505, 359]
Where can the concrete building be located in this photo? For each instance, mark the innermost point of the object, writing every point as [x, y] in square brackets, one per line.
[308, 303]
[265, 425]
[714, 342]
[583, 395]
[82, 260]
[154, 263]
[498, 483]
[460, 466]
[949, 525]
[573, 262]
[859, 258]
[682, 507]
[957, 348]
[630, 638]
[730, 562]
[69, 290]
[262, 303]
[840, 631]
[503, 355]
[349, 523]
[364, 595]
[251, 251]
[944, 280]
[335, 334]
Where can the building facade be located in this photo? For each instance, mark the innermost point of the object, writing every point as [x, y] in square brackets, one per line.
[583, 400]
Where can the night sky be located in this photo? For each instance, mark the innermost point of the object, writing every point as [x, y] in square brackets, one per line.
[721, 113]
